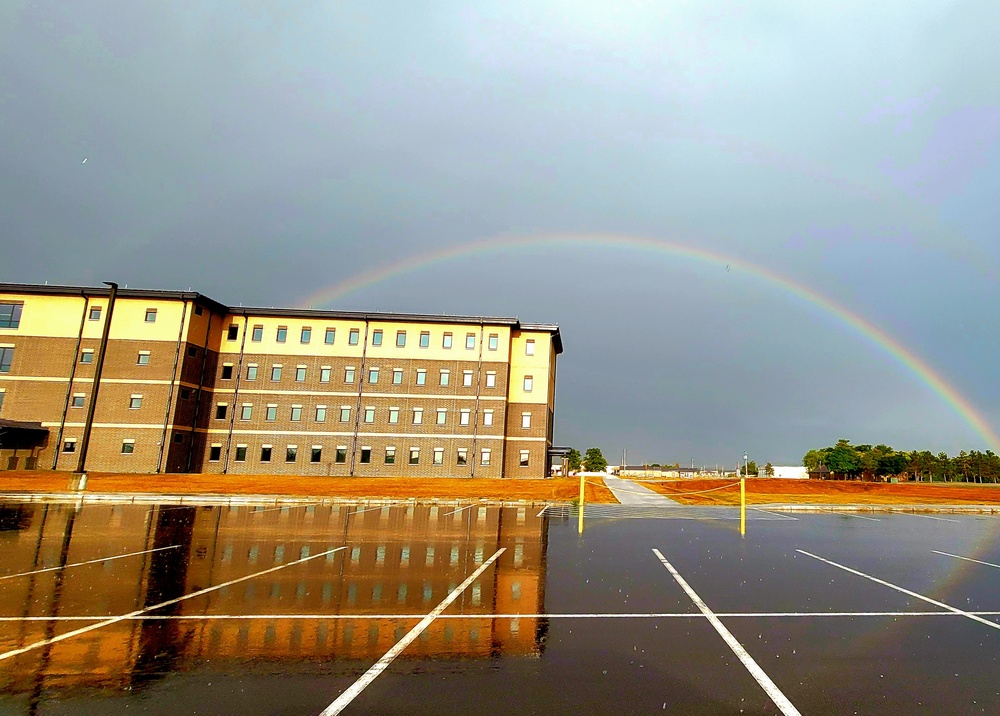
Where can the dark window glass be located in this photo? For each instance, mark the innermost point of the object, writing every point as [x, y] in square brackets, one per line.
[341, 455]
[265, 454]
[316, 455]
[291, 453]
[241, 453]
[95, 313]
[220, 412]
[215, 453]
[87, 357]
[232, 332]
[6, 359]
[10, 315]
[227, 372]
[366, 456]
[150, 315]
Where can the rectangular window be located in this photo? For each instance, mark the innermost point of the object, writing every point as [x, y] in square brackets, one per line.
[529, 347]
[445, 377]
[418, 416]
[78, 400]
[324, 374]
[470, 341]
[128, 447]
[446, 341]
[305, 335]
[257, 335]
[271, 414]
[421, 376]
[494, 341]
[320, 413]
[442, 416]
[227, 371]
[390, 456]
[400, 339]
[349, 374]
[252, 371]
[491, 379]
[282, 334]
[296, 414]
[150, 315]
[233, 332]
[425, 339]
[341, 454]
[525, 420]
[528, 382]
[6, 358]
[466, 378]
[414, 456]
[241, 453]
[366, 455]
[185, 393]
[178, 437]
[372, 376]
[393, 416]
[353, 337]
[291, 453]
[465, 416]
[439, 456]
[220, 411]
[377, 337]
[265, 453]
[524, 459]
[215, 452]
[300, 374]
[316, 453]
[484, 457]
[330, 336]
[10, 314]
[369, 415]
[87, 355]
[488, 417]
[135, 402]
[276, 372]
[246, 411]
[345, 414]
[69, 445]
[397, 376]
[192, 351]
[198, 310]
[463, 457]
[95, 313]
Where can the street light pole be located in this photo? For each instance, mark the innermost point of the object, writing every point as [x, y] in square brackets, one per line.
[746, 465]
[80, 474]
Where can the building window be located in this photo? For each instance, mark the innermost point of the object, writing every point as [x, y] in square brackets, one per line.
[246, 411]
[345, 414]
[463, 457]
[87, 355]
[241, 453]
[135, 402]
[296, 414]
[300, 374]
[466, 378]
[373, 376]
[330, 336]
[525, 420]
[494, 341]
[465, 416]
[128, 447]
[446, 341]
[349, 374]
[524, 459]
[265, 453]
[414, 456]
[470, 341]
[439, 456]
[10, 314]
[150, 315]
[425, 339]
[271, 413]
[341, 454]
[316, 453]
[377, 337]
[252, 371]
[291, 453]
[282, 334]
[400, 339]
[95, 313]
[276, 372]
[397, 376]
[418, 416]
[227, 371]
[528, 382]
[78, 400]
[69, 445]
[198, 310]
[320, 413]
[366, 455]
[257, 334]
[484, 457]
[369, 415]
[215, 452]
[324, 374]
[421, 376]
[185, 393]
[178, 437]
[232, 332]
[390, 456]
[6, 358]
[445, 377]
[142, 358]
[491, 379]
[192, 351]
[442, 416]
[353, 337]
[220, 411]
[488, 417]
[529, 347]
[393, 416]
[306, 335]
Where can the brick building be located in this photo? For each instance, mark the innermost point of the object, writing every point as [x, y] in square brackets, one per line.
[192, 385]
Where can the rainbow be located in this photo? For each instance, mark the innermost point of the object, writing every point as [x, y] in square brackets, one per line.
[886, 343]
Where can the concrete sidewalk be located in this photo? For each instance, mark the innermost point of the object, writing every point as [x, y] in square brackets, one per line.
[629, 493]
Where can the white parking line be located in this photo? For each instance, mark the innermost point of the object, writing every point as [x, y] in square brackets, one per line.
[928, 517]
[89, 561]
[372, 509]
[935, 602]
[967, 559]
[115, 620]
[344, 700]
[460, 509]
[773, 514]
[851, 514]
[770, 688]
[542, 511]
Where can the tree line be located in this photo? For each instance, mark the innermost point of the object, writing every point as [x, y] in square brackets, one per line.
[884, 461]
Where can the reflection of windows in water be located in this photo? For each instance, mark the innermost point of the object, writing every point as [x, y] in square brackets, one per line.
[430, 556]
[477, 594]
[398, 634]
[515, 626]
[304, 552]
[474, 634]
[275, 590]
[355, 554]
[250, 591]
[252, 554]
[330, 556]
[404, 557]
[518, 555]
[321, 632]
[376, 593]
[348, 633]
[401, 593]
[352, 593]
[327, 596]
[269, 635]
[380, 554]
[428, 591]
[300, 591]
[515, 591]
[454, 555]
[243, 635]
[479, 554]
[295, 638]
[373, 634]
[449, 633]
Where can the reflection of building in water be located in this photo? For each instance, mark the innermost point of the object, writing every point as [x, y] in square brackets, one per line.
[399, 560]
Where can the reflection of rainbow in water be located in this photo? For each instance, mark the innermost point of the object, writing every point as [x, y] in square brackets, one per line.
[889, 345]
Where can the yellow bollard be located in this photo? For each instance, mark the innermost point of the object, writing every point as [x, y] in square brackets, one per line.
[743, 506]
[582, 485]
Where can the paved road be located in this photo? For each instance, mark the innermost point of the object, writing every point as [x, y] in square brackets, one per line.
[631, 493]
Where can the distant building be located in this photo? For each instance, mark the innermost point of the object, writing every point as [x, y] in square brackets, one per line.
[791, 472]
[192, 385]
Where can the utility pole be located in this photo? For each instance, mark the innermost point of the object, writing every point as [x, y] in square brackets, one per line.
[80, 476]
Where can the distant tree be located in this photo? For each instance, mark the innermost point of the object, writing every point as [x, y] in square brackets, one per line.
[769, 470]
[574, 459]
[843, 459]
[593, 460]
[655, 465]
[812, 460]
[749, 469]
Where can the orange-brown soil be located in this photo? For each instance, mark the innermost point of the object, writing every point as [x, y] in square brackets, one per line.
[554, 490]
[825, 492]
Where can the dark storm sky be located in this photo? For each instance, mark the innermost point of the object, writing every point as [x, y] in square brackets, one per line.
[259, 151]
